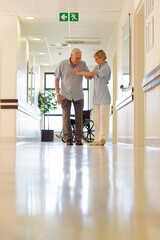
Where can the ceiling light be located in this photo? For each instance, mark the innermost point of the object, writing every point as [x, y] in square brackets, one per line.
[58, 44]
[37, 39]
[45, 64]
[30, 18]
[41, 53]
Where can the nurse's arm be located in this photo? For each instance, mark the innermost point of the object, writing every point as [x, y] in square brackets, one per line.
[87, 74]
[87, 77]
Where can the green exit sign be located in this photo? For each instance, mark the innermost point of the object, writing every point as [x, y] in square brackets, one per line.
[74, 17]
[63, 17]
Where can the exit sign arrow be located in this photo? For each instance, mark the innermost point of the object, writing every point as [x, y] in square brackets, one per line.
[63, 17]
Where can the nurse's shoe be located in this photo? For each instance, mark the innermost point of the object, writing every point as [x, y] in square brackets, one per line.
[96, 144]
[103, 141]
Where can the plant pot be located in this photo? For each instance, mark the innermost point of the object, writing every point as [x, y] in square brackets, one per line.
[47, 135]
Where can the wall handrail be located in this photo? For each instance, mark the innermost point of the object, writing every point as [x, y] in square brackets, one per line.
[152, 79]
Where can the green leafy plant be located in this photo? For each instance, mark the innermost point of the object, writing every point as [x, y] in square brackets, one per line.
[47, 102]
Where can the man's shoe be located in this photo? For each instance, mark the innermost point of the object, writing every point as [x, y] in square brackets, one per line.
[69, 142]
[79, 143]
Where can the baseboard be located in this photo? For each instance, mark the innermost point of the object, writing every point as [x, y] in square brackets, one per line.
[7, 140]
[126, 140]
[153, 142]
[28, 139]
[109, 139]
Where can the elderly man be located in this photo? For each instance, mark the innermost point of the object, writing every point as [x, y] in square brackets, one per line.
[71, 92]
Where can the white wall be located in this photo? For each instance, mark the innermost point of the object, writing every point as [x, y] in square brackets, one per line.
[125, 115]
[8, 64]
[28, 116]
[23, 122]
[23, 57]
[8, 75]
[153, 56]
[152, 97]
[151, 61]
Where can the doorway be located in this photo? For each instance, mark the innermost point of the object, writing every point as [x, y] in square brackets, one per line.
[139, 112]
[115, 82]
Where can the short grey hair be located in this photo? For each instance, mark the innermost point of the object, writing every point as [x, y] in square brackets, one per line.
[75, 50]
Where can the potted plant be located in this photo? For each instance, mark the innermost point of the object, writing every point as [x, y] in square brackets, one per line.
[47, 102]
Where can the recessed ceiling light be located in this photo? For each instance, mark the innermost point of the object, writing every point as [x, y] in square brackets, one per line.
[45, 64]
[58, 44]
[37, 39]
[30, 18]
[41, 53]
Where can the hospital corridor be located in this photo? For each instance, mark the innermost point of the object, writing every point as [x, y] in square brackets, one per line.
[79, 120]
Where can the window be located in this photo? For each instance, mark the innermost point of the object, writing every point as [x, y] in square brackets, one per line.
[55, 117]
[49, 82]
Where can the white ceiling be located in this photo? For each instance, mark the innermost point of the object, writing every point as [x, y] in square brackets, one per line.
[97, 19]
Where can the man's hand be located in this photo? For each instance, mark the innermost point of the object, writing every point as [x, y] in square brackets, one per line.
[76, 70]
[79, 72]
[59, 99]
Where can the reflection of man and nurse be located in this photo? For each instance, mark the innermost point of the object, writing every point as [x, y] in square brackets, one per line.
[84, 193]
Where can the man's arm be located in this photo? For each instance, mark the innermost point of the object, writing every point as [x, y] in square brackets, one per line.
[57, 85]
[59, 97]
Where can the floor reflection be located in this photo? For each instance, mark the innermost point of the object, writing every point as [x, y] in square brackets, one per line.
[140, 200]
[96, 193]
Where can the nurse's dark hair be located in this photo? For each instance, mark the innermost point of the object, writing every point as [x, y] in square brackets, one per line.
[100, 54]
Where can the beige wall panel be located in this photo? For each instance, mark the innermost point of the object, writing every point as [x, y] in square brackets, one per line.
[153, 56]
[153, 112]
[125, 123]
[27, 127]
[153, 96]
[7, 125]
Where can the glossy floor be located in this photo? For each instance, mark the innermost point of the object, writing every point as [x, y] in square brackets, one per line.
[49, 191]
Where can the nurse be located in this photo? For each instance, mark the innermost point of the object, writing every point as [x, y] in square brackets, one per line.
[101, 97]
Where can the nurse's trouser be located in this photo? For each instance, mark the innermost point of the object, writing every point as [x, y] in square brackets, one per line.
[101, 121]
